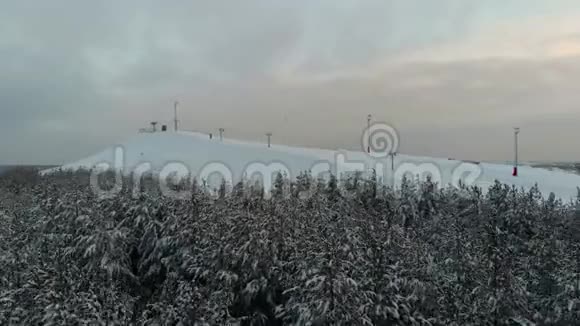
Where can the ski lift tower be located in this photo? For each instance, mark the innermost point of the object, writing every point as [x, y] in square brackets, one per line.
[516, 133]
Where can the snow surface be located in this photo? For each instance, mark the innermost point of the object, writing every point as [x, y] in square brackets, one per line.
[198, 153]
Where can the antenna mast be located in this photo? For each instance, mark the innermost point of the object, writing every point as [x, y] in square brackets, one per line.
[175, 115]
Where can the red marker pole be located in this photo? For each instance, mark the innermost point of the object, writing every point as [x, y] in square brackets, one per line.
[516, 132]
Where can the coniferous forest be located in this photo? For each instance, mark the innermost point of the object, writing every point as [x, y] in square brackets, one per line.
[351, 252]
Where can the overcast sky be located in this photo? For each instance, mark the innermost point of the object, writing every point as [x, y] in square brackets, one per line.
[453, 76]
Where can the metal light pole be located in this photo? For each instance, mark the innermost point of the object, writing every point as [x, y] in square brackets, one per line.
[269, 135]
[175, 115]
[516, 133]
[222, 133]
[369, 117]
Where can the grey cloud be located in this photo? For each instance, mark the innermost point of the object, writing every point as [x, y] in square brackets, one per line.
[466, 110]
[36, 86]
[77, 76]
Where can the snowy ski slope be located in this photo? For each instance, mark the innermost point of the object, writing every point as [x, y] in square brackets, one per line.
[201, 155]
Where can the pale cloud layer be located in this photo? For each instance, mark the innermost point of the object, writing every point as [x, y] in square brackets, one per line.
[453, 76]
[537, 38]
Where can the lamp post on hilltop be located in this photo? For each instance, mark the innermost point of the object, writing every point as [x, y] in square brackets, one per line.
[516, 133]
[269, 135]
[393, 154]
[175, 115]
[369, 118]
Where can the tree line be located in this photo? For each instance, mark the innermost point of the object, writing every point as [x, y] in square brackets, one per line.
[353, 252]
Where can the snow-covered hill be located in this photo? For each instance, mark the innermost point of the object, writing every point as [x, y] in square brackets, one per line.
[196, 154]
